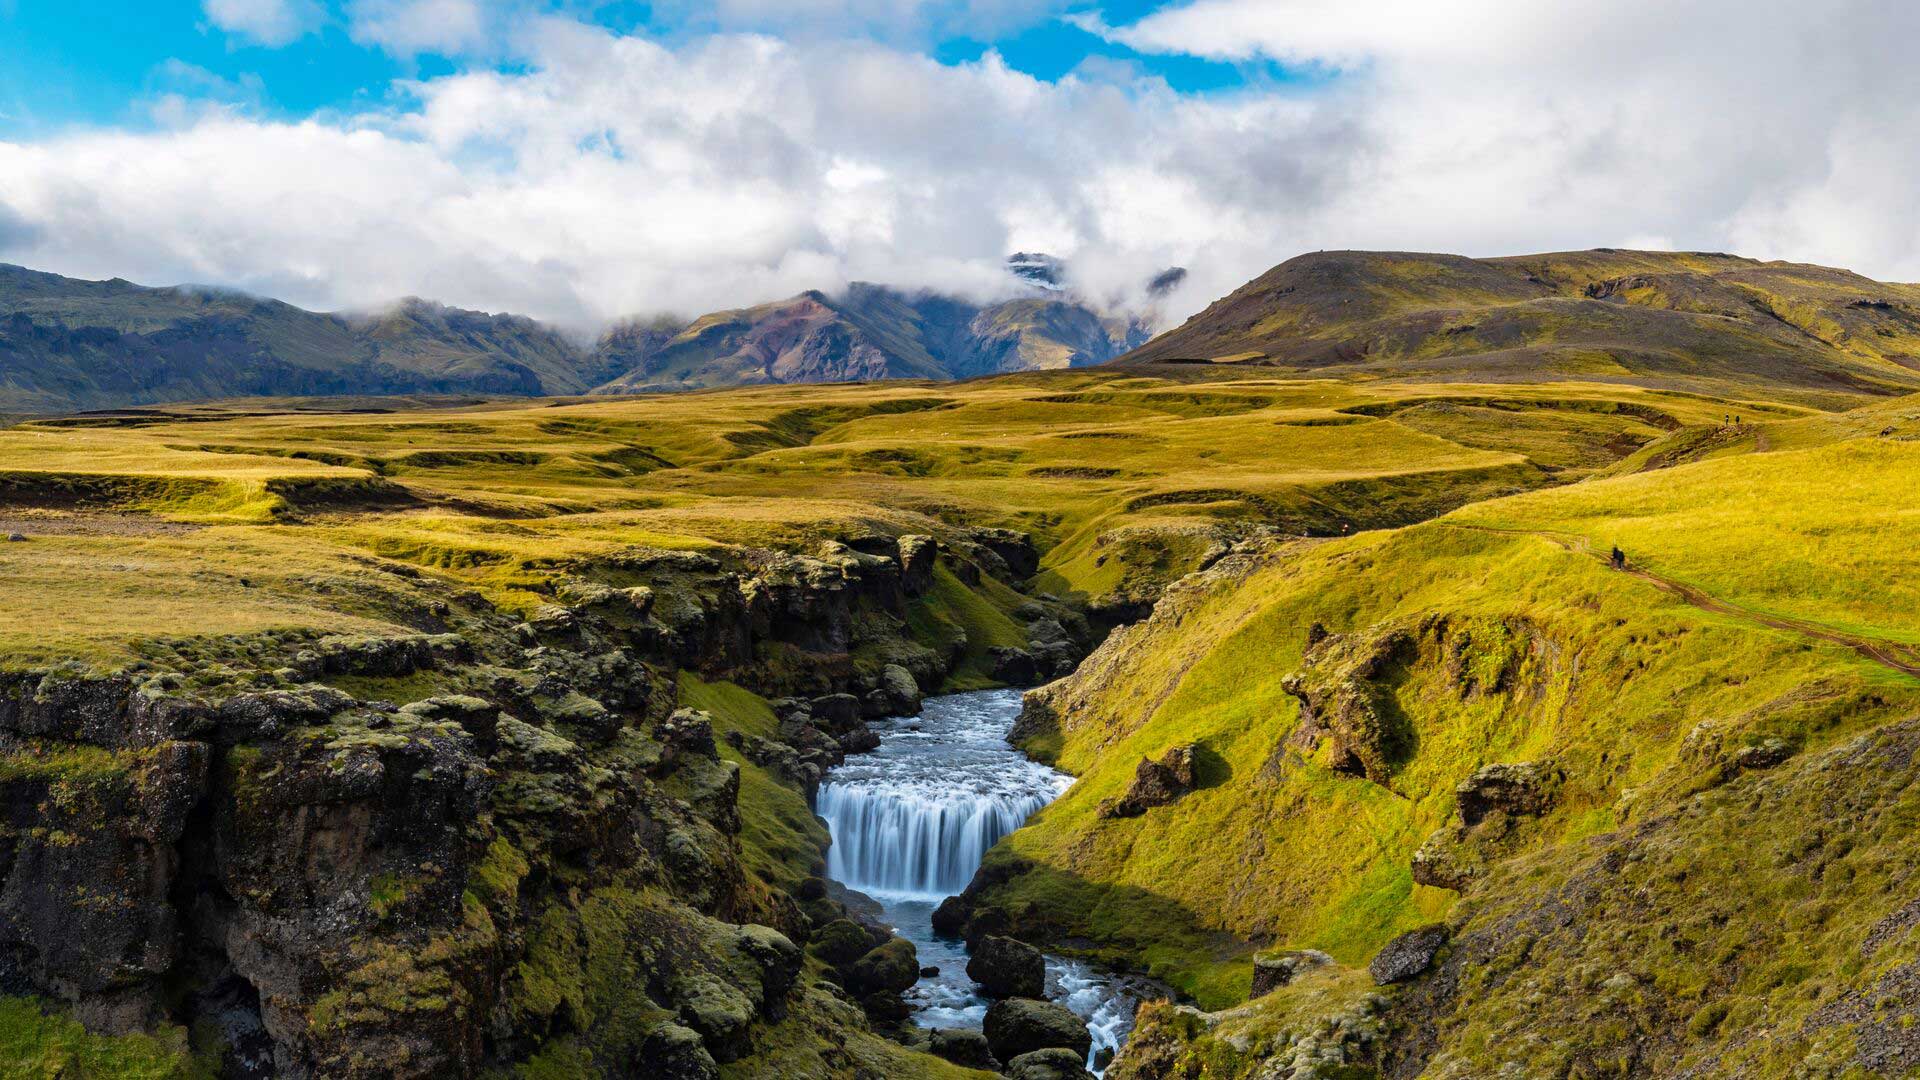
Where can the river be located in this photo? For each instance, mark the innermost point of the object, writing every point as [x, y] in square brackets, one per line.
[911, 822]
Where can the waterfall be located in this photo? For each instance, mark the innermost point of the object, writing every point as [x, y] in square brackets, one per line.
[899, 842]
[913, 819]
[911, 822]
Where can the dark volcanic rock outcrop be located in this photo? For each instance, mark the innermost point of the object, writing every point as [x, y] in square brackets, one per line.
[535, 850]
[1155, 783]
[1407, 955]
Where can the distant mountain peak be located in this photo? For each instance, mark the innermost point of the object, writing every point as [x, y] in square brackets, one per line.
[1042, 270]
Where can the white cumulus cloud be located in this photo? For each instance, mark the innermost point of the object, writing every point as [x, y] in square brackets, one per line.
[265, 22]
[407, 27]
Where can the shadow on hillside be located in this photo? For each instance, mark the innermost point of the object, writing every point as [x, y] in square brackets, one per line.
[1209, 768]
[1122, 927]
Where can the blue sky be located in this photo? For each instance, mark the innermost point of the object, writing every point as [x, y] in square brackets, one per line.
[583, 161]
[109, 65]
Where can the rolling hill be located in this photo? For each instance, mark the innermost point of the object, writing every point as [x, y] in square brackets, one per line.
[67, 344]
[1708, 323]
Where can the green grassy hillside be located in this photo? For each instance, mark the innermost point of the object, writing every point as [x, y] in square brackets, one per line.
[1732, 708]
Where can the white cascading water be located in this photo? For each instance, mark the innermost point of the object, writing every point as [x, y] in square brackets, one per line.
[911, 822]
[906, 844]
[913, 819]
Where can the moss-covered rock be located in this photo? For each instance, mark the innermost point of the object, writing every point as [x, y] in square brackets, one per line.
[1049, 1064]
[1016, 1026]
[840, 943]
[891, 968]
[962, 1046]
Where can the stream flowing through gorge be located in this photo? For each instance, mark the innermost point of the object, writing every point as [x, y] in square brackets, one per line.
[911, 822]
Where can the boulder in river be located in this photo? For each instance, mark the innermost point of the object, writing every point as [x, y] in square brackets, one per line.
[1006, 968]
[901, 692]
[1013, 666]
[860, 740]
[1017, 1026]
[1053, 1063]
[836, 712]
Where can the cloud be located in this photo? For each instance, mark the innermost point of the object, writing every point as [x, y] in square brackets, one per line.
[606, 175]
[265, 22]
[620, 176]
[409, 27]
[896, 21]
[16, 232]
[184, 92]
[1773, 127]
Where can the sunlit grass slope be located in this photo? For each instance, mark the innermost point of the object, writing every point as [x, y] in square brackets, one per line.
[1515, 645]
[1825, 534]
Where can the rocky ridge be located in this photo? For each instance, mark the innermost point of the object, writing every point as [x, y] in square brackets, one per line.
[507, 838]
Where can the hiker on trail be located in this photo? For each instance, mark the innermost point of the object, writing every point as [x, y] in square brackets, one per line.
[1619, 559]
[1725, 419]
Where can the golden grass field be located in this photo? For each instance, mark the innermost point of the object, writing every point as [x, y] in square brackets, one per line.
[227, 519]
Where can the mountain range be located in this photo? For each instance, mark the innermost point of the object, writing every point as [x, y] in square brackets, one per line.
[1696, 322]
[69, 344]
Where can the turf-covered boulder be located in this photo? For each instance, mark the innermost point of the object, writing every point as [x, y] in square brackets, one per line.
[840, 943]
[1522, 788]
[1272, 972]
[674, 1052]
[893, 967]
[776, 957]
